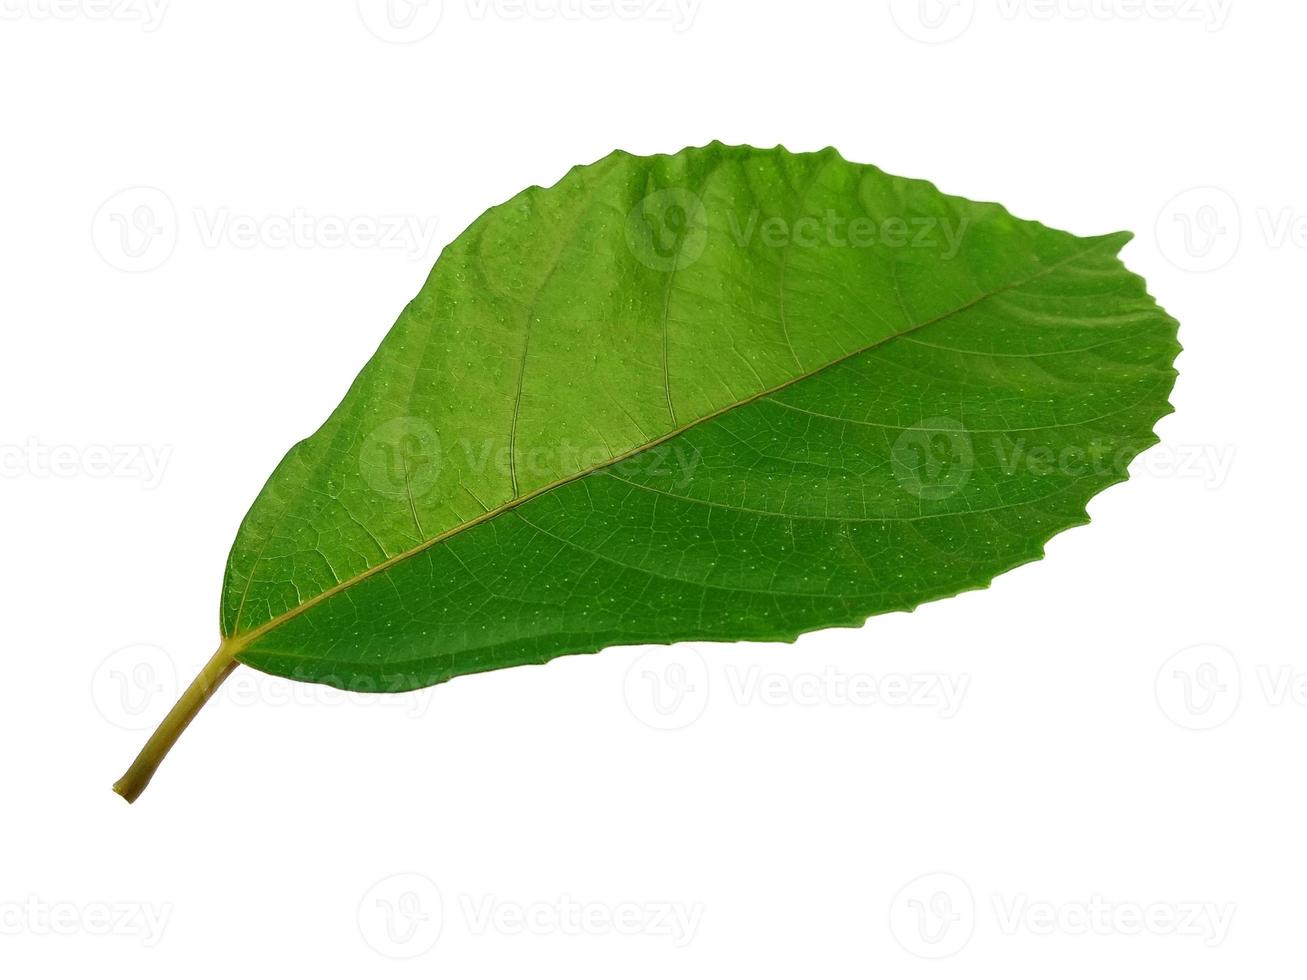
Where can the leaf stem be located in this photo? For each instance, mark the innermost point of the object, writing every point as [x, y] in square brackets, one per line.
[138, 775]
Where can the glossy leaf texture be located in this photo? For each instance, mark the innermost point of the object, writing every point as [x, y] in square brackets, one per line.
[726, 394]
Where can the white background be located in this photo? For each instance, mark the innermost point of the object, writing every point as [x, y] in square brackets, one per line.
[1075, 813]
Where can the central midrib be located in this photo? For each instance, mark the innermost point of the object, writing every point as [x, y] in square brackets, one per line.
[239, 641]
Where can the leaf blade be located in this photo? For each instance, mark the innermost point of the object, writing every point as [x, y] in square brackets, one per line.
[421, 651]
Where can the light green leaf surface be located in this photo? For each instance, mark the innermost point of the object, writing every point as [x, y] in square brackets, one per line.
[730, 394]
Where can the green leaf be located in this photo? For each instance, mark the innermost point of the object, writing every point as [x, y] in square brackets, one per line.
[729, 394]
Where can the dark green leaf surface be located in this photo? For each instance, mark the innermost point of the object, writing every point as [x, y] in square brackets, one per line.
[730, 394]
